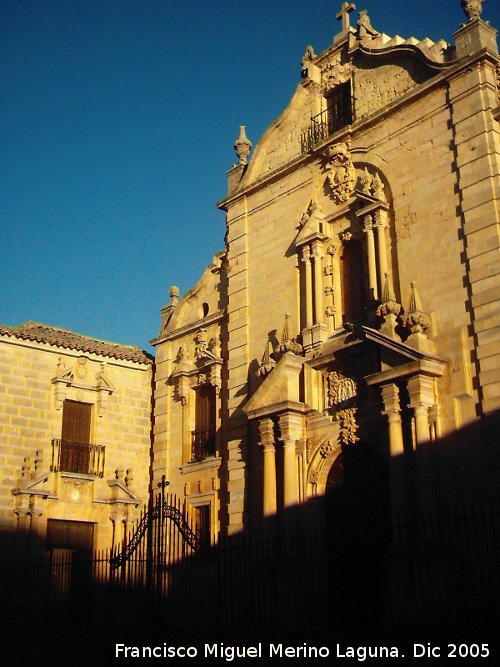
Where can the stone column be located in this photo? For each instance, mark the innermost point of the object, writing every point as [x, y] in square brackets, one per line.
[380, 225]
[390, 397]
[399, 470]
[318, 283]
[421, 391]
[306, 258]
[372, 262]
[266, 438]
[291, 430]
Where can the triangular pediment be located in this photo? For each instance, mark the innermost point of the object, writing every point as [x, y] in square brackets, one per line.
[121, 493]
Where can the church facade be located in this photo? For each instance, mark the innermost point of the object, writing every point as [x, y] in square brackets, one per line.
[351, 325]
[347, 335]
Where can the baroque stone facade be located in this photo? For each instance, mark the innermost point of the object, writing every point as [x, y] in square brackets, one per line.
[350, 325]
[368, 214]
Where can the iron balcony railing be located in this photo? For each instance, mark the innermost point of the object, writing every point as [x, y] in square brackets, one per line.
[79, 457]
[325, 124]
[202, 444]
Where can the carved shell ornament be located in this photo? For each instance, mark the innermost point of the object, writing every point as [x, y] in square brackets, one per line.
[340, 172]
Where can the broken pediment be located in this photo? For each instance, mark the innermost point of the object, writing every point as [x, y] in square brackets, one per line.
[121, 488]
[399, 360]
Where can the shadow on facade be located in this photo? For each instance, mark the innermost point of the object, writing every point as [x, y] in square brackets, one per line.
[338, 566]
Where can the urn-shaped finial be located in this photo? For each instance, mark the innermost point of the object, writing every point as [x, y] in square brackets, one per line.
[242, 146]
[472, 8]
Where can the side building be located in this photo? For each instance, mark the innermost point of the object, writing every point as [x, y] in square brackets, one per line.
[75, 423]
[349, 332]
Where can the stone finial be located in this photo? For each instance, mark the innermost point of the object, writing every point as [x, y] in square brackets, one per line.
[416, 320]
[288, 344]
[366, 181]
[174, 295]
[242, 146]
[378, 187]
[129, 477]
[267, 364]
[472, 8]
[389, 309]
[167, 311]
[38, 461]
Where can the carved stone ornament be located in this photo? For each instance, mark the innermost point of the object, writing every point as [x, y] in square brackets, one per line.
[307, 58]
[388, 305]
[314, 443]
[365, 28]
[242, 146]
[326, 450]
[340, 172]
[416, 320]
[288, 344]
[201, 344]
[340, 388]
[335, 72]
[348, 426]
[267, 364]
[472, 8]
[314, 476]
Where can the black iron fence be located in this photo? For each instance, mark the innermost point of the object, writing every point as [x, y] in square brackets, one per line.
[285, 575]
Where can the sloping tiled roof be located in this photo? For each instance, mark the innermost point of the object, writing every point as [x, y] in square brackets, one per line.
[44, 333]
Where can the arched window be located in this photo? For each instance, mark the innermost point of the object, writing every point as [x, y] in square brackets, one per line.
[352, 280]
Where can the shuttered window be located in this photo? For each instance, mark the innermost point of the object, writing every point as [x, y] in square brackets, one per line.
[75, 454]
[76, 422]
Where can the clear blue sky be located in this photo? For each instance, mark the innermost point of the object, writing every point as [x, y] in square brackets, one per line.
[117, 124]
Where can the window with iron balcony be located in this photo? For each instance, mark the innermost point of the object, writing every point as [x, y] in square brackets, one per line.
[73, 452]
[203, 435]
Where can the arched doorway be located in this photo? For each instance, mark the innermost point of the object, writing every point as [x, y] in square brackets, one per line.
[357, 500]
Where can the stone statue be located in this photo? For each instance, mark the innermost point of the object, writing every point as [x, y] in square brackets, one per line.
[308, 57]
[365, 28]
[472, 8]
